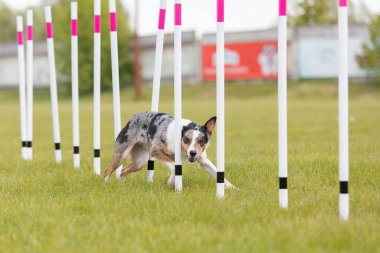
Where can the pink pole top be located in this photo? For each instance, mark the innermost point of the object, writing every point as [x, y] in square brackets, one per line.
[161, 19]
[97, 24]
[74, 27]
[220, 11]
[30, 32]
[342, 3]
[49, 30]
[113, 23]
[177, 15]
[282, 8]
[20, 39]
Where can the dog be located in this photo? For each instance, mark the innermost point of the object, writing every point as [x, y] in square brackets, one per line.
[152, 134]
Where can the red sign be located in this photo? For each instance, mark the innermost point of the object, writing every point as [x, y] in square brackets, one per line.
[248, 60]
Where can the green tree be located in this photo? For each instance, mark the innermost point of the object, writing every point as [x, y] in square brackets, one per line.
[318, 12]
[7, 24]
[62, 28]
[370, 59]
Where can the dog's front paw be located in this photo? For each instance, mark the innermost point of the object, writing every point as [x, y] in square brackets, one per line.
[228, 185]
[106, 178]
[121, 179]
[171, 181]
[171, 185]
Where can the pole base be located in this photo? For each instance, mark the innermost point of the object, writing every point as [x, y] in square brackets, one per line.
[178, 183]
[76, 161]
[29, 153]
[58, 156]
[283, 198]
[344, 210]
[149, 176]
[220, 190]
[97, 165]
[24, 153]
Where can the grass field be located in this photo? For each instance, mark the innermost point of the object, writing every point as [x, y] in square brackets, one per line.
[47, 207]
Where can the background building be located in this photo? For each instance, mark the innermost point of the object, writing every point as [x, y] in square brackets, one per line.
[250, 55]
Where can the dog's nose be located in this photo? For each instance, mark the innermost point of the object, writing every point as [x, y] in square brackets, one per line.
[193, 153]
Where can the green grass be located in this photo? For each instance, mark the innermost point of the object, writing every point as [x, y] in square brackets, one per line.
[47, 207]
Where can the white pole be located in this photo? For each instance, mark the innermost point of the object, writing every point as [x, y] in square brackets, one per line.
[282, 105]
[21, 77]
[178, 94]
[53, 83]
[157, 73]
[220, 99]
[343, 111]
[74, 82]
[97, 55]
[115, 73]
[29, 82]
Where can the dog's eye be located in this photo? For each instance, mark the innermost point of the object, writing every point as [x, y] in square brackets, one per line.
[201, 142]
[186, 140]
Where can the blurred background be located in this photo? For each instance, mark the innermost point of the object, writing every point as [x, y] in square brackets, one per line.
[49, 207]
[251, 41]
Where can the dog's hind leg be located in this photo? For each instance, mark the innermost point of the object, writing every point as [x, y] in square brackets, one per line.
[117, 160]
[130, 168]
[169, 162]
[139, 158]
[121, 154]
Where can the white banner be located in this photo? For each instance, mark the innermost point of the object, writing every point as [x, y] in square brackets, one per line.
[318, 57]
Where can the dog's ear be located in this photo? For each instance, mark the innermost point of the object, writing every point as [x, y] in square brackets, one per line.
[210, 125]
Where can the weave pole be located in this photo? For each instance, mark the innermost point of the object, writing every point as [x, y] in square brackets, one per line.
[282, 106]
[178, 93]
[220, 149]
[97, 56]
[21, 79]
[157, 73]
[75, 83]
[53, 83]
[29, 83]
[343, 111]
[115, 73]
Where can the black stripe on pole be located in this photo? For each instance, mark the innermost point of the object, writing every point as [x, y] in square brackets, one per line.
[283, 183]
[28, 144]
[344, 187]
[76, 149]
[96, 152]
[220, 177]
[57, 146]
[150, 165]
[23, 144]
[178, 170]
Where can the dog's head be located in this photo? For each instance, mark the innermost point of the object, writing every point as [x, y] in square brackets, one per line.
[196, 138]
